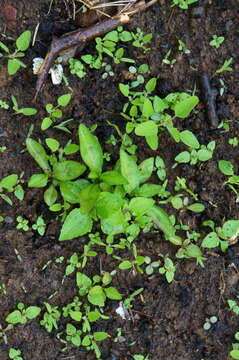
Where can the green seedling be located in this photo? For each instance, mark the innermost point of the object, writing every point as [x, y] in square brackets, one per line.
[208, 323]
[2, 149]
[22, 223]
[227, 168]
[181, 184]
[4, 105]
[55, 112]
[22, 44]
[167, 61]
[233, 142]
[3, 289]
[15, 354]
[22, 314]
[3, 334]
[24, 111]
[168, 269]
[196, 151]
[97, 294]
[216, 41]
[50, 317]
[233, 306]
[93, 194]
[76, 67]
[234, 353]
[140, 357]
[221, 236]
[147, 114]
[183, 4]
[190, 250]
[140, 40]
[222, 88]
[128, 302]
[225, 66]
[138, 74]
[11, 184]
[39, 226]
[108, 72]
[182, 47]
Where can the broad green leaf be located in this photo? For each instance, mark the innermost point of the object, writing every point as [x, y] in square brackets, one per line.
[204, 154]
[147, 128]
[64, 100]
[19, 192]
[90, 149]
[189, 139]
[8, 182]
[76, 224]
[152, 141]
[113, 178]
[32, 312]
[88, 198]
[146, 168]
[140, 205]
[129, 170]
[126, 264]
[46, 123]
[151, 84]
[100, 335]
[226, 167]
[159, 104]
[76, 315]
[23, 41]
[149, 190]
[38, 153]
[50, 195]
[196, 207]
[183, 108]
[107, 204]
[13, 65]
[148, 109]
[67, 170]
[162, 221]
[231, 228]
[53, 144]
[14, 317]
[183, 157]
[83, 281]
[70, 329]
[76, 340]
[96, 296]
[210, 241]
[124, 89]
[86, 341]
[234, 354]
[38, 180]
[112, 293]
[114, 224]
[71, 190]
[28, 111]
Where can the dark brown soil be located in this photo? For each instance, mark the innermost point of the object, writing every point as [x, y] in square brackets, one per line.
[169, 318]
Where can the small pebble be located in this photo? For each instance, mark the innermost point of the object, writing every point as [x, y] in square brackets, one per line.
[198, 11]
[9, 12]
[8, 219]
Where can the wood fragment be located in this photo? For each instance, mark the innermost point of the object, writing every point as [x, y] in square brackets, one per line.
[84, 35]
[209, 98]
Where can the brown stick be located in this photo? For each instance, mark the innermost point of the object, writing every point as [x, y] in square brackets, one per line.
[209, 98]
[81, 36]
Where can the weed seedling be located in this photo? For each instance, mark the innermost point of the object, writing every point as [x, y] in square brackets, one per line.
[22, 44]
[76, 67]
[233, 306]
[15, 354]
[54, 112]
[11, 184]
[39, 226]
[233, 142]
[183, 4]
[225, 66]
[22, 314]
[227, 168]
[216, 41]
[50, 317]
[22, 223]
[208, 323]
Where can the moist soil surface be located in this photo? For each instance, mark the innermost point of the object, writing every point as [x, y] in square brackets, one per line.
[167, 320]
